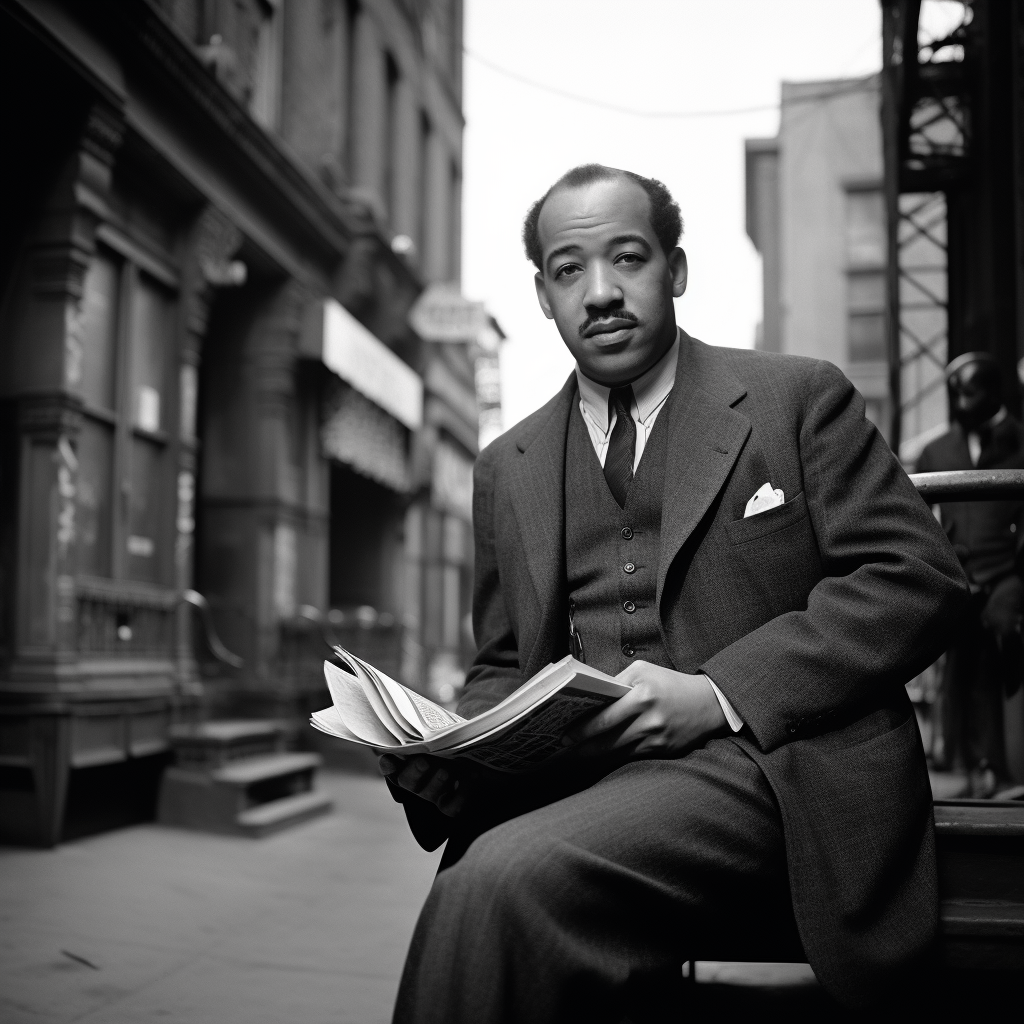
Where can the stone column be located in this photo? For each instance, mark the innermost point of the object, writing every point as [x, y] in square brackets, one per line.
[212, 242]
[277, 479]
[45, 371]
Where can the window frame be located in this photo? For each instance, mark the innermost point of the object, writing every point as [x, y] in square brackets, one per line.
[136, 267]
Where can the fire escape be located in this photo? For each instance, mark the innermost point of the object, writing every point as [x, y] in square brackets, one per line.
[926, 120]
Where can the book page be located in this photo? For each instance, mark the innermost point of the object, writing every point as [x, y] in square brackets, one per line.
[535, 737]
[330, 721]
[355, 709]
[422, 716]
[378, 696]
[435, 716]
[566, 673]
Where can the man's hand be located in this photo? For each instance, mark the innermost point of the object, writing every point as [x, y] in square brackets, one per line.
[666, 714]
[430, 778]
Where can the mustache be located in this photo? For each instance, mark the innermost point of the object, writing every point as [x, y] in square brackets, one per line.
[617, 314]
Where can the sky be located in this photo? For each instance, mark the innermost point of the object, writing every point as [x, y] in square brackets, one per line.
[648, 56]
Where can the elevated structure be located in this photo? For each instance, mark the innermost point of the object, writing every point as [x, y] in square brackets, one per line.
[953, 125]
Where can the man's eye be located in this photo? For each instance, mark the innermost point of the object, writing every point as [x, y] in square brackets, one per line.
[569, 270]
[629, 258]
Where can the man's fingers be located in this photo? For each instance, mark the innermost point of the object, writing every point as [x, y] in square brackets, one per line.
[435, 785]
[624, 710]
[389, 764]
[415, 775]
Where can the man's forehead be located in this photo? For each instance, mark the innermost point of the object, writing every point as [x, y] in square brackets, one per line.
[608, 206]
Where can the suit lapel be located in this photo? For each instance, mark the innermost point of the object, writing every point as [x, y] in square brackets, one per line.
[537, 494]
[706, 436]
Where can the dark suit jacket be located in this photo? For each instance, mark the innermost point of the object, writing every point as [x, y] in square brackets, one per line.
[810, 617]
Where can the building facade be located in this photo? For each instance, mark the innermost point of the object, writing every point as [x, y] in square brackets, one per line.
[816, 213]
[223, 443]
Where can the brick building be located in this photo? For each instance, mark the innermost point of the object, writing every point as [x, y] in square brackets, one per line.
[212, 399]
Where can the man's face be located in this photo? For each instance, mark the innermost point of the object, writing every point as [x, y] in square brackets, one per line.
[606, 282]
[974, 395]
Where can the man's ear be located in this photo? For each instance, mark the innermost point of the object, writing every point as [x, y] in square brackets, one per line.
[542, 293]
[677, 264]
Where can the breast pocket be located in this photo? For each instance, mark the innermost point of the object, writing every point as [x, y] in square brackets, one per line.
[773, 558]
[781, 517]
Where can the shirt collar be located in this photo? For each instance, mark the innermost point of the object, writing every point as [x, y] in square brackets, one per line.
[649, 390]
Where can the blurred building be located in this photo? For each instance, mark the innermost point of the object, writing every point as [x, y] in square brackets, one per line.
[219, 215]
[815, 210]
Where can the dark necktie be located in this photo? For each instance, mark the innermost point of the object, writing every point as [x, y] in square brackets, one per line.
[618, 462]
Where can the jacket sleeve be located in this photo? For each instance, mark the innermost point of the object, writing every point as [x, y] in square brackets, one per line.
[892, 587]
[495, 671]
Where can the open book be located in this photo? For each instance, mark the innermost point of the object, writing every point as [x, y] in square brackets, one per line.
[518, 734]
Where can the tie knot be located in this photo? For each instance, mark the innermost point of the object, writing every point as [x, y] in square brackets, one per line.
[621, 399]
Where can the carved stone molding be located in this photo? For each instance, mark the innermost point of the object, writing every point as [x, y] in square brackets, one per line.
[66, 238]
[213, 240]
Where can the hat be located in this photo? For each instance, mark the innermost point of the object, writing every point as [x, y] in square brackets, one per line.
[966, 359]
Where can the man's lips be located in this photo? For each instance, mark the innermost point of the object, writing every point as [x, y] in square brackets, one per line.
[609, 326]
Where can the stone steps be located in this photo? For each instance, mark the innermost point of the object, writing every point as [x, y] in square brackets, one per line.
[233, 778]
[266, 819]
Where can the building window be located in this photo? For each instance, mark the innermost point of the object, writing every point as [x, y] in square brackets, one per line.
[349, 73]
[425, 131]
[391, 129]
[455, 225]
[865, 280]
[125, 506]
[265, 100]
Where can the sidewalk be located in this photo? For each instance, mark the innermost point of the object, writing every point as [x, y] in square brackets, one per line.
[307, 927]
[150, 923]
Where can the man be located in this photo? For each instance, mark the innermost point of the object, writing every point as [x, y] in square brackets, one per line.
[986, 659]
[725, 531]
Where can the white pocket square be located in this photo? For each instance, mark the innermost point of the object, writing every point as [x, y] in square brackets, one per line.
[766, 497]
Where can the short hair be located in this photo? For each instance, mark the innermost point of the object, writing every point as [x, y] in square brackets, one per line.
[666, 220]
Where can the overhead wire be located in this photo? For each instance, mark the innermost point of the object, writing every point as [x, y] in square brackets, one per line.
[853, 85]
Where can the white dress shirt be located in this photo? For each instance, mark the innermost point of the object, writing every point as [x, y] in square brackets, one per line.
[650, 392]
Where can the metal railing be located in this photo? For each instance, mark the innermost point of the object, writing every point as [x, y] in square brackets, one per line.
[970, 485]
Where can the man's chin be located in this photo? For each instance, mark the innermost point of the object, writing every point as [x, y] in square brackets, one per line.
[613, 364]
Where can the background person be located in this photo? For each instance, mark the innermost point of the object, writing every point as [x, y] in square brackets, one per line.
[987, 659]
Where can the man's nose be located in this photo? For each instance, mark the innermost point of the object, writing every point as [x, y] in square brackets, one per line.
[602, 288]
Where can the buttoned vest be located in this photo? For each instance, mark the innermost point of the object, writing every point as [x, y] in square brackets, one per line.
[612, 553]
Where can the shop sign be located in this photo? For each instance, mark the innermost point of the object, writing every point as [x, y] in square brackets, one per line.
[441, 313]
[365, 362]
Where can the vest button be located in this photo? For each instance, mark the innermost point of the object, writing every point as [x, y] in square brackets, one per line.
[628, 651]
[627, 533]
[629, 606]
[629, 567]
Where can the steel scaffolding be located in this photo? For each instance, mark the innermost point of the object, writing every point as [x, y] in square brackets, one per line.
[926, 135]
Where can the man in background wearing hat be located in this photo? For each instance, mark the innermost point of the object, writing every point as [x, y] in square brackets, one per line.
[987, 658]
